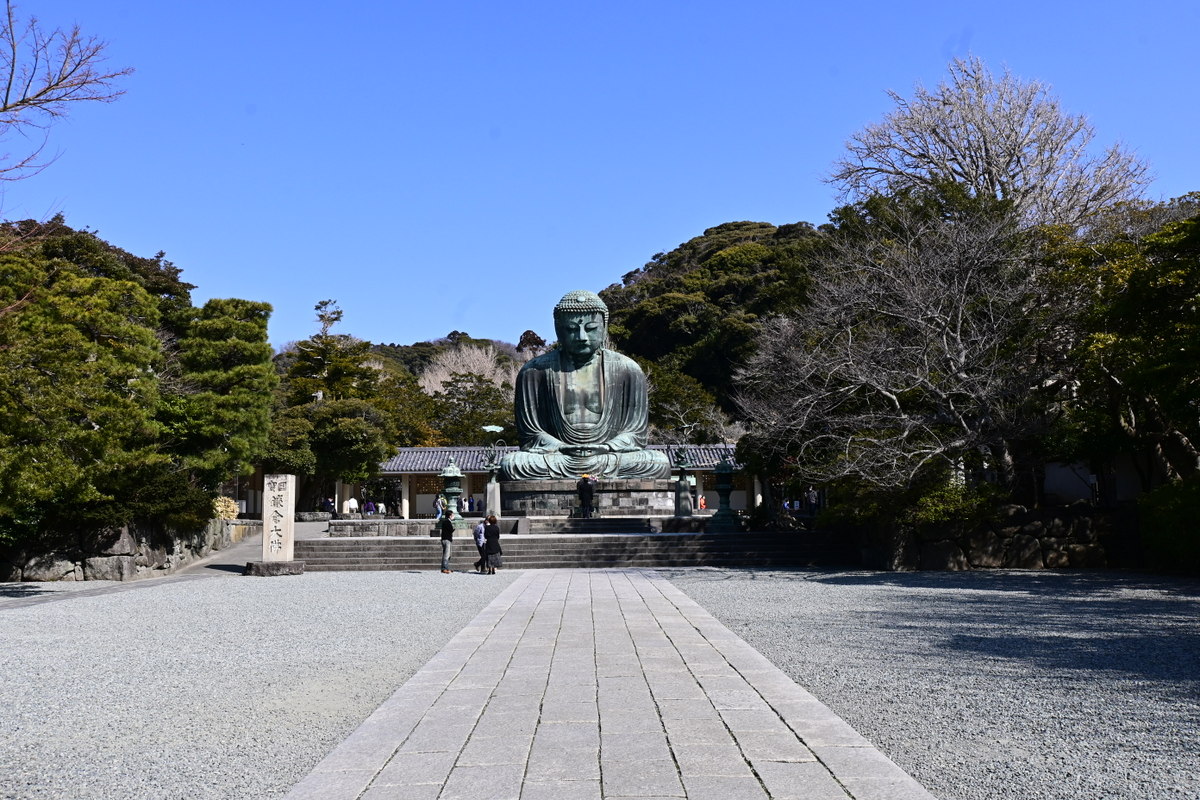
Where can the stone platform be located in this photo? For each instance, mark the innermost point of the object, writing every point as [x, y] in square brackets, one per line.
[613, 498]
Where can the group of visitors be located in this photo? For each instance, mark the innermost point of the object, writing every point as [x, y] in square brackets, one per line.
[809, 503]
[487, 542]
[467, 506]
[352, 506]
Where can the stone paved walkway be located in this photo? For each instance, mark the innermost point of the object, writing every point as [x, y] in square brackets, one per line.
[589, 684]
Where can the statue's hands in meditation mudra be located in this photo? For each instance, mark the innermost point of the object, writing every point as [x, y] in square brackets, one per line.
[582, 408]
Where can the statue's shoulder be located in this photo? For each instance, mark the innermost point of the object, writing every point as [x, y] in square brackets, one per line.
[546, 361]
[621, 361]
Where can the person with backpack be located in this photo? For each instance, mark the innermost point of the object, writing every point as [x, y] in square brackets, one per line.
[480, 543]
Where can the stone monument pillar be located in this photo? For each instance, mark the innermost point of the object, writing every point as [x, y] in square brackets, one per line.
[492, 504]
[683, 496]
[279, 529]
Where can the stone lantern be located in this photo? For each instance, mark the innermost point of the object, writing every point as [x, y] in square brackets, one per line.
[452, 486]
[725, 520]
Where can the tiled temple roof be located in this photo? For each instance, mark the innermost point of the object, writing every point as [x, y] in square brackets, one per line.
[409, 460]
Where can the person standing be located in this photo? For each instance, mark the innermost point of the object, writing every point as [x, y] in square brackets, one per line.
[439, 506]
[585, 489]
[492, 551]
[352, 505]
[480, 544]
[446, 524]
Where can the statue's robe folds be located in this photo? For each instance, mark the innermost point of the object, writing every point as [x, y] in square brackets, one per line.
[547, 435]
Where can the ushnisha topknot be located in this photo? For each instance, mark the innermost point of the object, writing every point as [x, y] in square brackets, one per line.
[581, 301]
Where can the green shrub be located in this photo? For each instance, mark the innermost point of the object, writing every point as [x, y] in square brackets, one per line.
[934, 502]
[1170, 526]
[950, 504]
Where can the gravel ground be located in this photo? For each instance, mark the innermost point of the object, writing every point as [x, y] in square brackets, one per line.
[214, 687]
[990, 685]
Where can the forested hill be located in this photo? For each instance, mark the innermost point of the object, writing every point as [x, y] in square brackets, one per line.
[696, 310]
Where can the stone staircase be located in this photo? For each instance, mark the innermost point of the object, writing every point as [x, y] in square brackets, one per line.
[595, 525]
[559, 550]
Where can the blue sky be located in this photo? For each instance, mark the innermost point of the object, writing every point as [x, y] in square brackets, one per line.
[439, 166]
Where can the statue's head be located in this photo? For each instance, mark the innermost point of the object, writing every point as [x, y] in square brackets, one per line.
[581, 323]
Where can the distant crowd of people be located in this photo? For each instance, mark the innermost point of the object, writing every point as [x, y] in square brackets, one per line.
[468, 506]
[352, 506]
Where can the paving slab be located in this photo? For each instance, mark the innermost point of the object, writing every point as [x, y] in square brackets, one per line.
[598, 684]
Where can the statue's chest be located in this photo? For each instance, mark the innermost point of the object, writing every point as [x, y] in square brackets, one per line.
[582, 398]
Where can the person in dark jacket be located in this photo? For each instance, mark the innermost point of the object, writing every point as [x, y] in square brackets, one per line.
[446, 524]
[491, 536]
[585, 487]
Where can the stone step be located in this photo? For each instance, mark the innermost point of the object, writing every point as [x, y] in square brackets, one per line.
[600, 536]
[561, 543]
[558, 550]
[529, 552]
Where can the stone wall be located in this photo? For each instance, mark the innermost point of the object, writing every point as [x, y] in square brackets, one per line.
[1017, 538]
[613, 498]
[696, 524]
[358, 525]
[128, 553]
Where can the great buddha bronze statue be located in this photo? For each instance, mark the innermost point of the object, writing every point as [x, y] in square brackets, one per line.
[582, 408]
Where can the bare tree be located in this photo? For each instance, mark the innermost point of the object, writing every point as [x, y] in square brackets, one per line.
[908, 359]
[694, 422]
[43, 73]
[1004, 138]
[468, 359]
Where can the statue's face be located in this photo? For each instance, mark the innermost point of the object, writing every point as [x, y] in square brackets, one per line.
[580, 335]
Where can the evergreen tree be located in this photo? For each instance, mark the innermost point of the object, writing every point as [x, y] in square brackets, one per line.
[466, 403]
[221, 413]
[330, 366]
[78, 394]
[119, 401]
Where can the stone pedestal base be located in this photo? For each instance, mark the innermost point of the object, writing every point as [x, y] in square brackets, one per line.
[724, 521]
[611, 498]
[269, 569]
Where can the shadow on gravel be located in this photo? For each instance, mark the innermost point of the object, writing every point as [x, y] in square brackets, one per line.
[233, 568]
[22, 590]
[1128, 626]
